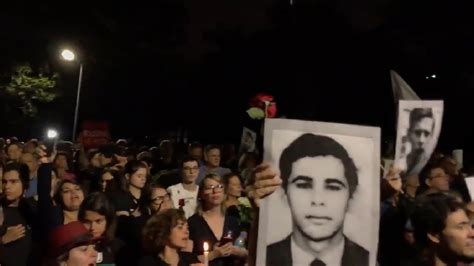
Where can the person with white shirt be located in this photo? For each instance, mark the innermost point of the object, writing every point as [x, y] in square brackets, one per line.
[184, 195]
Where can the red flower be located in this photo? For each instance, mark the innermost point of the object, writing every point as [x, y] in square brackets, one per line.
[272, 110]
[264, 101]
[264, 97]
[260, 99]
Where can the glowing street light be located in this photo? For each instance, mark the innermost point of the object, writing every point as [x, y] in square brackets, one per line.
[69, 55]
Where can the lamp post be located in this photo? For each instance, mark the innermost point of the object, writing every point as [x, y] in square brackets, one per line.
[69, 55]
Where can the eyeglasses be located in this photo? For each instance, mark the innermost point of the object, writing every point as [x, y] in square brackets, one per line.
[190, 168]
[160, 199]
[215, 188]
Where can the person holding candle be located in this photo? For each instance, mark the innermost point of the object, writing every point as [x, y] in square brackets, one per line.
[211, 225]
[164, 235]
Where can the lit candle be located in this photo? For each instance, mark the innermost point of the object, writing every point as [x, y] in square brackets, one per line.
[206, 254]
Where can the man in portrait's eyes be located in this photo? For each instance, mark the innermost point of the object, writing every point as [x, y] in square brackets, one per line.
[420, 132]
[319, 178]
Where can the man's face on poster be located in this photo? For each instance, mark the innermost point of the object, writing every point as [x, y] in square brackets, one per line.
[318, 195]
[421, 133]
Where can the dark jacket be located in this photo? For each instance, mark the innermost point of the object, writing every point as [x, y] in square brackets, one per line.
[19, 252]
[185, 259]
[50, 215]
[280, 254]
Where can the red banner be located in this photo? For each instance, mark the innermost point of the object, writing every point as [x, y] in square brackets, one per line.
[94, 134]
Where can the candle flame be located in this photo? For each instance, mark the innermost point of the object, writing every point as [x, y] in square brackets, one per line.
[206, 246]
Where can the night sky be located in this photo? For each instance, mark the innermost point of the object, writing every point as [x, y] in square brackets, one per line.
[150, 69]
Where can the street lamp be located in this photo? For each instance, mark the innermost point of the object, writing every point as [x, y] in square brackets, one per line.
[69, 55]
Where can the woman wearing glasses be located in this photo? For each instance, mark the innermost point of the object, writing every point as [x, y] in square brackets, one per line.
[155, 199]
[210, 224]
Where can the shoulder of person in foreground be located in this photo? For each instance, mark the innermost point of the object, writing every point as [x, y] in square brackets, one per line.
[188, 257]
[149, 261]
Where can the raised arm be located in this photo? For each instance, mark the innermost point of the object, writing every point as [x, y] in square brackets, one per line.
[264, 182]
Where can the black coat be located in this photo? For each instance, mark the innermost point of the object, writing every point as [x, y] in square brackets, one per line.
[280, 254]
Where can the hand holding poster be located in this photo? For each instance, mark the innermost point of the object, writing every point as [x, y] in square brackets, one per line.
[329, 201]
[419, 126]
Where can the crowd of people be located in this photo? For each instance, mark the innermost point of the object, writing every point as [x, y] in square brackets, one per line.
[427, 219]
[122, 204]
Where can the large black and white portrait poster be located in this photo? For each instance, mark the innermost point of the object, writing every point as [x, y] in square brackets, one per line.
[418, 129]
[327, 210]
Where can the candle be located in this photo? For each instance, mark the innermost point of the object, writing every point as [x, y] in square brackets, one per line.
[206, 254]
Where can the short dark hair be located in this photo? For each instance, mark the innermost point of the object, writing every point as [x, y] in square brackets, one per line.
[189, 159]
[430, 214]
[417, 114]
[22, 170]
[311, 145]
[147, 157]
[98, 202]
[108, 150]
[211, 147]
[132, 166]
[195, 145]
[158, 228]
[426, 171]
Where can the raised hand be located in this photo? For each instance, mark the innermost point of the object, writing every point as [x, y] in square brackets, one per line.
[265, 181]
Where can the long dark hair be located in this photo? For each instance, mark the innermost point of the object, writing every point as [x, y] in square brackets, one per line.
[146, 199]
[113, 187]
[58, 195]
[129, 169]
[98, 202]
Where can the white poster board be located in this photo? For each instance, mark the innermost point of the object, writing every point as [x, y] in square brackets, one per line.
[418, 129]
[322, 209]
[470, 185]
